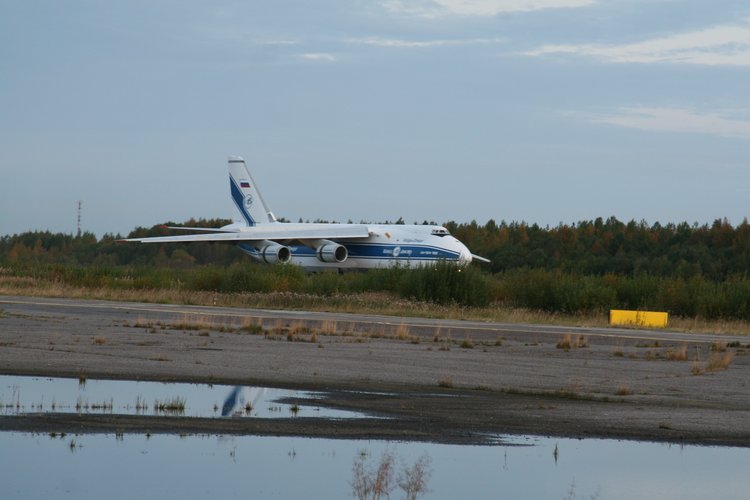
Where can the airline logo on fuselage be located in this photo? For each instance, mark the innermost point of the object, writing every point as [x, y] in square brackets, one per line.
[397, 251]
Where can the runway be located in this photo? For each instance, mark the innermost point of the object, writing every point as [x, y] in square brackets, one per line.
[476, 329]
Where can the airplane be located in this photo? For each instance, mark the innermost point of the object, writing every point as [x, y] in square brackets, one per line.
[321, 246]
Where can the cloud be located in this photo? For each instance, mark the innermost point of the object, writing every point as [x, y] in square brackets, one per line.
[318, 56]
[727, 45]
[677, 120]
[398, 43]
[439, 8]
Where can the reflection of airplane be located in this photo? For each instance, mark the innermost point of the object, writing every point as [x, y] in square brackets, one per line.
[235, 401]
[232, 399]
[322, 246]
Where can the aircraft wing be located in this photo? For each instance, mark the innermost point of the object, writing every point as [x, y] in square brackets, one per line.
[202, 229]
[268, 232]
[480, 259]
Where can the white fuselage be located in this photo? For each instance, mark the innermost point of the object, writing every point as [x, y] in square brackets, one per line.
[388, 245]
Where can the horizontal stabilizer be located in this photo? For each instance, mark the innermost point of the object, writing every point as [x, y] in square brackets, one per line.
[480, 259]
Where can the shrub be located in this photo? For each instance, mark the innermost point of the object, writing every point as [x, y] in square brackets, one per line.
[677, 354]
[718, 361]
[446, 283]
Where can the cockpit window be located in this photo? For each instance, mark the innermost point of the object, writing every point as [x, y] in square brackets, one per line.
[441, 232]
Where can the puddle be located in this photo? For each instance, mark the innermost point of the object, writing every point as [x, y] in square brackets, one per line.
[55, 465]
[169, 466]
[21, 395]
[190, 466]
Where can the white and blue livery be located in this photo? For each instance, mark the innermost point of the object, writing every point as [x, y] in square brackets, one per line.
[316, 246]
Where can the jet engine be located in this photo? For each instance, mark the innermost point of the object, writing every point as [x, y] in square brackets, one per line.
[327, 250]
[331, 252]
[272, 253]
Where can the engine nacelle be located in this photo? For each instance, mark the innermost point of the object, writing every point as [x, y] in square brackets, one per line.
[273, 253]
[332, 252]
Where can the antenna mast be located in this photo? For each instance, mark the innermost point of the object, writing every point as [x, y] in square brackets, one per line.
[80, 207]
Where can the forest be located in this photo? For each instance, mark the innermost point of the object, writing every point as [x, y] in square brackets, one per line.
[687, 270]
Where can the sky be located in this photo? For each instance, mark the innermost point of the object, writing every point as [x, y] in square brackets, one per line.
[543, 111]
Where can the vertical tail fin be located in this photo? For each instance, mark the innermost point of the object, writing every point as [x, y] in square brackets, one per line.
[246, 195]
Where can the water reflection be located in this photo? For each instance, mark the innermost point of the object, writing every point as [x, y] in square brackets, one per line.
[20, 395]
[112, 466]
[136, 465]
[241, 401]
[231, 401]
[379, 479]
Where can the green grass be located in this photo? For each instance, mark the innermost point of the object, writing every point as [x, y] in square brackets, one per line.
[174, 405]
[537, 296]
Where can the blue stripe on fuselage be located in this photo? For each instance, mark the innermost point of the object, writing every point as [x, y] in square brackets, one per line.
[239, 200]
[374, 251]
[383, 251]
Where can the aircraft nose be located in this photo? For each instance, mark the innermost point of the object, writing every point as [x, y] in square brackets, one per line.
[464, 257]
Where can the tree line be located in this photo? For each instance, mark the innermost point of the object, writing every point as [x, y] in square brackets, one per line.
[689, 270]
[715, 251]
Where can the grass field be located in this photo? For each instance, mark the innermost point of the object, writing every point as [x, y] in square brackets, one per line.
[381, 302]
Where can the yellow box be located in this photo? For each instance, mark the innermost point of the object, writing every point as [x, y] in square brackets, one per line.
[639, 318]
